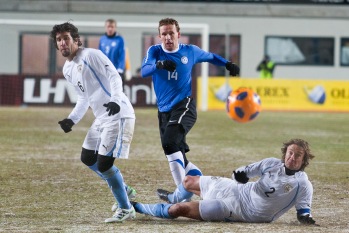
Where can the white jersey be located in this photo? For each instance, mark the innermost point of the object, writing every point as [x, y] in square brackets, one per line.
[96, 82]
[274, 193]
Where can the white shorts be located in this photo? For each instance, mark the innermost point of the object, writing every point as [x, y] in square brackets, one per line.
[220, 199]
[111, 138]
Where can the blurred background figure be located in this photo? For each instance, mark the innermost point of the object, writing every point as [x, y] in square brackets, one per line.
[266, 68]
[113, 46]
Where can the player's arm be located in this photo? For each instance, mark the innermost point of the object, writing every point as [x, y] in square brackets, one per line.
[242, 174]
[121, 56]
[149, 62]
[115, 81]
[75, 116]
[215, 59]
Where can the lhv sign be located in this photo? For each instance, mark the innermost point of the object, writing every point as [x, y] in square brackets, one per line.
[41, 90]
[45, 90]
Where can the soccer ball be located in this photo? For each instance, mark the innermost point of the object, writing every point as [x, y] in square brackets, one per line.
[243, 105]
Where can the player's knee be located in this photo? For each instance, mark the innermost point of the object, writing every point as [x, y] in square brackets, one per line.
[104, 163]
[170, 146]
[178, 210]
[189, 182]
[88, 157]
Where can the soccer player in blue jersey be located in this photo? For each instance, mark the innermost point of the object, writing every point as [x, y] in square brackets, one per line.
[113, 46]
[282, 184]
[170, 65]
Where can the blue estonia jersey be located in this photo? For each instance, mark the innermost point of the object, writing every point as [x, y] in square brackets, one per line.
[172, 87]
[114, 48]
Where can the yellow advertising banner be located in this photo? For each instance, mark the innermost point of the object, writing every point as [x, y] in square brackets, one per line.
[281, 94]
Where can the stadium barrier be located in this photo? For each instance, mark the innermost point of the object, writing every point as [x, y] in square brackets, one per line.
[33, 90]
[282, 94]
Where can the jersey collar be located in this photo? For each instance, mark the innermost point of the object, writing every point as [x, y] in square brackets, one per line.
[174, 51]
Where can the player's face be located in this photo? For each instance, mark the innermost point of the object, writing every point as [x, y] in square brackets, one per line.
[169, 36]
[110, 28]
[294, 157]
[66, 45]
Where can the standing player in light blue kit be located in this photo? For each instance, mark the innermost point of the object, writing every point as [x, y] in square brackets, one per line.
[282, 184]
[170, 65]
[99, 87]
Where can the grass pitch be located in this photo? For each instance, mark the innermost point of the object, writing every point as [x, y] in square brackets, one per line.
[45, 188]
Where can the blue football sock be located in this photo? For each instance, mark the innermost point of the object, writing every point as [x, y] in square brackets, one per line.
[115, 182]
[179, 194]
[159, 210]
[95, 169]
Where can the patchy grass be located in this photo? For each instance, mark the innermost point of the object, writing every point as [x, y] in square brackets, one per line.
[45, 187]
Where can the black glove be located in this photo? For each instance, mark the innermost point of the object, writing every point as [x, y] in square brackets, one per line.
[241, 177]
[233, 69]
[305, 219]
[112, 108]
[166, 64]
[66, 125]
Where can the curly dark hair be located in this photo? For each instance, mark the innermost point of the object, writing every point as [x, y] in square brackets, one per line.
[65, 27]
[301, 143]
[168, 21]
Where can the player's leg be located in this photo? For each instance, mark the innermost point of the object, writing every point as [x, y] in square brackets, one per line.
[124, 139]
[186, 114]
[170, 143]
[90, 150]
[169, 211]
[114, 179]
[113, 176]
[122, 149]
[183, 192]
[89, 158]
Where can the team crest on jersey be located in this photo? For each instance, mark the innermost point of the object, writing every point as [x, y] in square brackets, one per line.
[287, 188]
[79, 68]
[184, 60]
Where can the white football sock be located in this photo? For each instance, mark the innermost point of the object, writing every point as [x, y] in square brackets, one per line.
[192, 170]
[176, 163]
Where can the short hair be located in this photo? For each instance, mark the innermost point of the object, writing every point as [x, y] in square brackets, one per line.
[301, 143]
[111, 21]
[168, 21]
[65, 27]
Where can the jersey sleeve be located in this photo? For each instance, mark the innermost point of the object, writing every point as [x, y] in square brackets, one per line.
[120, 56]
[203, 56]
[304, 198]
[257, 169]
[149, 62]
[108, 74]
[79, 110]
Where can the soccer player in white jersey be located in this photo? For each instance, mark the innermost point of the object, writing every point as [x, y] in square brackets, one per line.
[282, 184]
[170, 65]
[98, 86]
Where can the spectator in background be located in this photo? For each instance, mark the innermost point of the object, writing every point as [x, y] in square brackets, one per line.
[266, 68]
[113, 46]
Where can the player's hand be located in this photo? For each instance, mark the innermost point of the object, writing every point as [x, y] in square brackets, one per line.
[166, 65]
[112, 108]
[66, 125]
[240, 176]
[233, 69]
[306, 219]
